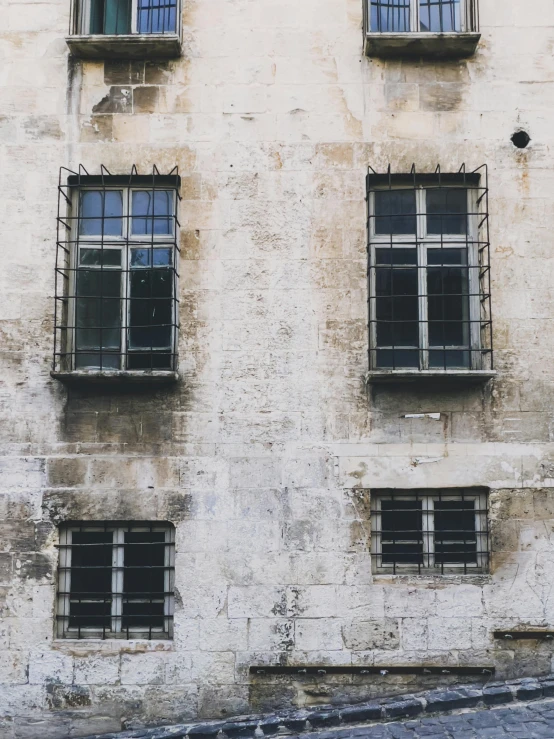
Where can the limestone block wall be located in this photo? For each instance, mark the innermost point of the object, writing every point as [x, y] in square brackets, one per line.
[264, 455]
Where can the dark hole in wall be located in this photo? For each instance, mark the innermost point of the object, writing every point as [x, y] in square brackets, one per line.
[521, 139]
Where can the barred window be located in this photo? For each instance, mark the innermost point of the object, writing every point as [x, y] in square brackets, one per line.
[116, 286]
[123, 17]
[116, 580]
[433, 531]
[429, 281]
[425, 16]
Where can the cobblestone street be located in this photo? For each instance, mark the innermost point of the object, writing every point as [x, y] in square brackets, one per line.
[522, 721]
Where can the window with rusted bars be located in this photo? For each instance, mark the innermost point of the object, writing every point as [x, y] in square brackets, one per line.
[116, 272]
[429, 271]
[116, 580]
[434, 531]
[423, 16]
[123, 17]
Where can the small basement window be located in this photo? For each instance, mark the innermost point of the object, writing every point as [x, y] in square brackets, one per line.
[116, 581]
[429, 276]
[116, 276]
[126, 28]
[435, 28]
[429, 531]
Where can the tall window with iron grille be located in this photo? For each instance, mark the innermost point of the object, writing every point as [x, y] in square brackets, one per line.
[116, 286]
[429, 276]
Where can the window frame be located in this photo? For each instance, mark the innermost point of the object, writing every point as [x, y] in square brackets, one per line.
[428, 532]
[83, 13]
[422, 242]
[116, 631]
[124, 242]
[466, 26]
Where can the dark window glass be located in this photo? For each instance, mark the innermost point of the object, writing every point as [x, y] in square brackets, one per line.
[396, 311]
[100, 257]
[448, 310]
[101, 213]
[395, 212]
[157, 16]
[440, 16]
[144, 580]
[151, 309]
[455, 536]
[447, 211]
[110, 17]
[98, 318]
[390, 16]
[152, 212]
[402, 532]
[91, 580]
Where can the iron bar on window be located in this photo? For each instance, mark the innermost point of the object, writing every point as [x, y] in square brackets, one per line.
[117, 261]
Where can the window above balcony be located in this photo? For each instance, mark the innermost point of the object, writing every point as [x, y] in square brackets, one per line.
[421, 28]
[125, 29]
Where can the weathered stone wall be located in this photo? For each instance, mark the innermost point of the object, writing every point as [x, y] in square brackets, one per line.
[265, 453]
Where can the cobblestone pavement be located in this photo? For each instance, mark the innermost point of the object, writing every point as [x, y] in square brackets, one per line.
[534, 720]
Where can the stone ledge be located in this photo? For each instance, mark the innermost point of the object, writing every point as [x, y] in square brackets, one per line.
[421, 45]
[430, 703]
[132, 46]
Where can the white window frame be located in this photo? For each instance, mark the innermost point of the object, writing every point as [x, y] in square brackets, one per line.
[415, 19]
[125, 242]
[117, 631]
[421, 241]
[83, 8]
[428, 532]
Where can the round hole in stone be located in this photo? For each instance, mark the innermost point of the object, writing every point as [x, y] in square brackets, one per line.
[521, 139]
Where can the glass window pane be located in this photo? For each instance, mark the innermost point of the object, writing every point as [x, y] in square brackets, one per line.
[397, 317]
[152, 212]
[112, 17]
[98, 319]
[144, 579]
[101, 213]
[455, 536]
[151, 318]
[157, 16]
[440, 16]
[390, 16]
[161, 257]
[395, 212]
[402, 531]
[447, 211]
[100, 257]
[91, 579]
[448, 316]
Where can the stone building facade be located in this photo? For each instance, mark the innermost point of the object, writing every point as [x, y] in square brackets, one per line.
[266, 453]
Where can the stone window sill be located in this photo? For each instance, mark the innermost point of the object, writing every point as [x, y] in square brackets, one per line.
[421, 45]
[82, 377]
[391, 377]
[133, 46]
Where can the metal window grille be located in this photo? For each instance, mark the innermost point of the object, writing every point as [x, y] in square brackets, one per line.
[429, 271]
[429, 531]
[122, 17]
[424, 16]
[116, 580]
[116, 272]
